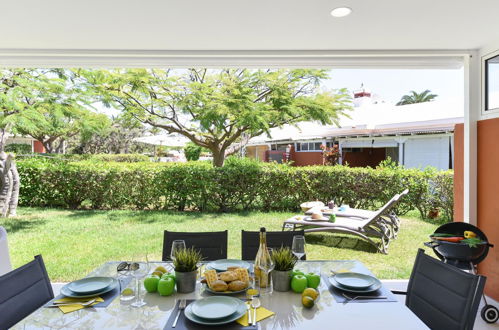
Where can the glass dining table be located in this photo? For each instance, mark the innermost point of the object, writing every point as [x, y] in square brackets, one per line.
[289, 312]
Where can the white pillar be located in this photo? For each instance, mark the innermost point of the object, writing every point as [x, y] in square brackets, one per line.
[472, 83]
[401, 144]
[340, 160]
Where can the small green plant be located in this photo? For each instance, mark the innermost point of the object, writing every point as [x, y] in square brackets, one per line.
[186, 260]
[283, 259]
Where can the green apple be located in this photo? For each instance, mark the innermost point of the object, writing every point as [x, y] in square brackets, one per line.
[298, 283]
[313, 280]
[151, 283]
[166, 286]
[170, 275]
[296, 272]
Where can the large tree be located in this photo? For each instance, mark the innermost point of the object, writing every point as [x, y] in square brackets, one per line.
[414, 97]
[115, 139]
[216, 109]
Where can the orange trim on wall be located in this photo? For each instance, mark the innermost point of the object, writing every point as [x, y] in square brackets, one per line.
[459, 172]
[487, 199]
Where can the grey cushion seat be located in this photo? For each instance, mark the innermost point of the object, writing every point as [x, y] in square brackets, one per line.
[443, 296]
[22, 291]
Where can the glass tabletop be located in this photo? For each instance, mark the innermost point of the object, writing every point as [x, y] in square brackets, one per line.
[290, 314]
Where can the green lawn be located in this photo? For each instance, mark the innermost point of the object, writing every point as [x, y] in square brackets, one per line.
[75, 242]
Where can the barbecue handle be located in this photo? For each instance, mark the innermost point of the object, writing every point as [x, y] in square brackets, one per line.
[431, 244]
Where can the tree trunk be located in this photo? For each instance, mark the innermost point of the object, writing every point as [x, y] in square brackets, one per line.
[218, 157]
[6, 181]
[16, 184]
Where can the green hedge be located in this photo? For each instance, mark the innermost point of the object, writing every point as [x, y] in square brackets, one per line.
[19, 148]
[120, 158]
[239, 185]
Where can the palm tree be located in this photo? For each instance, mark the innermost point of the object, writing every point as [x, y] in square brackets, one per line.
[414, 97]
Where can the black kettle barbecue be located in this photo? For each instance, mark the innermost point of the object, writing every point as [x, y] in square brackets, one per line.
[462, 255]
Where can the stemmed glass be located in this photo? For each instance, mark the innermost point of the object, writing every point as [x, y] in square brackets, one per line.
[139, 269]
[267, 267]
[298, 246]
[176, 245]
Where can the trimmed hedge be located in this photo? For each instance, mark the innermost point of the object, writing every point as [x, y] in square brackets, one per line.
[240, 185]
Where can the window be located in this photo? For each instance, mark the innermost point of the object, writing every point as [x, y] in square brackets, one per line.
[492, 83]
[309, 146]
[352, 149]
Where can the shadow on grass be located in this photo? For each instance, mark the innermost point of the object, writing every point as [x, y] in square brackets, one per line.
[14, 225]
[341, 242]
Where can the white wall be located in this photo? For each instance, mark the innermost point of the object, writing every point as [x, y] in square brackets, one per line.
[422, 152]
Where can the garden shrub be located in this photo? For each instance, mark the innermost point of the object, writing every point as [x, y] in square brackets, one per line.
[18, 148]
[242, 184]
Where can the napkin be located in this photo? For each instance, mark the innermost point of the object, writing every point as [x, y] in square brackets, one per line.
[261, 314]
[71, 308]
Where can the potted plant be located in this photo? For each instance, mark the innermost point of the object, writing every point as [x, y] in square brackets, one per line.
[284, 262]
[186, 266]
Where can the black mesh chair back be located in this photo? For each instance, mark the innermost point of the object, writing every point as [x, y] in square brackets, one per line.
[250, 241]
[443, 296]
[22, 291]
[212, 245]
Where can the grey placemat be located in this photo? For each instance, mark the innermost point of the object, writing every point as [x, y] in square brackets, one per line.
[338, 294]
[108, 296]
[184, 324]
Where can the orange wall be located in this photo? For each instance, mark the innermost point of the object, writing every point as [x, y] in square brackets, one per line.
[488, 194]
[306, 158]
[368, 157]
[459, 172]
[487, 201]
[38, 147]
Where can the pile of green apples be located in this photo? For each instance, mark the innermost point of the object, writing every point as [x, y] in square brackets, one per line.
[300, 281]
[160, 281]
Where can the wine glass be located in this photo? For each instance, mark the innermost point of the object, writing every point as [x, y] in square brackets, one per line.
[298, 246]
[176, 245]
[267, 267]
[139, 269]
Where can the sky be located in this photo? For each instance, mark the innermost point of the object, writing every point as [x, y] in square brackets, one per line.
[391, 84]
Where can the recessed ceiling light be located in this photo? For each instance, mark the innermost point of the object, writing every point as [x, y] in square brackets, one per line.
[341, 12]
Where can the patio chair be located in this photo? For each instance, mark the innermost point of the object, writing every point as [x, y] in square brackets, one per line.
[212, 245]
[366, 213]
[373, 227]
[5, 265]
[389, 216]
[250, 241]
[23, 290]
[441, 295]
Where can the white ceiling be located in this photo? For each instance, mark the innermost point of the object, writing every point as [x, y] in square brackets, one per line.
[247, 24]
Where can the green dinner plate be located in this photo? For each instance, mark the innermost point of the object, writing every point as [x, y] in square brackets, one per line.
[377, 284]
[68, 293]
[213, 308]
[90, 285]
[354, 280]
[222, 264]
[240, 311]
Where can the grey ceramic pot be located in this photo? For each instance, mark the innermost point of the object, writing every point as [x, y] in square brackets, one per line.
[281, 280]
[186, 281]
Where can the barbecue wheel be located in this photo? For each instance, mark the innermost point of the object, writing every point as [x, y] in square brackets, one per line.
[490, 314]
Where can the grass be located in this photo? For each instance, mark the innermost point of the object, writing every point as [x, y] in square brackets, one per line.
[75, 242]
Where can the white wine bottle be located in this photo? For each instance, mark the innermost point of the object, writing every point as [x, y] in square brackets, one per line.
[262, 260]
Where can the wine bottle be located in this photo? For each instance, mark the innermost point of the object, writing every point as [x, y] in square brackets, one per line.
[262, 260]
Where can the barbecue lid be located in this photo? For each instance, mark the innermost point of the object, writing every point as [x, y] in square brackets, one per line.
[458, 228]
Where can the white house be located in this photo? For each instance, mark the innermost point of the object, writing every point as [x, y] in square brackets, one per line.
[415, 135]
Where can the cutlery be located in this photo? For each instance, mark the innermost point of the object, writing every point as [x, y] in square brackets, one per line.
[362, 297]
[181, 307]
[248, 307]
[84, 304]
[255, 303]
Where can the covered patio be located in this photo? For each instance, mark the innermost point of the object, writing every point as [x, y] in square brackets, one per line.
[284, 34]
